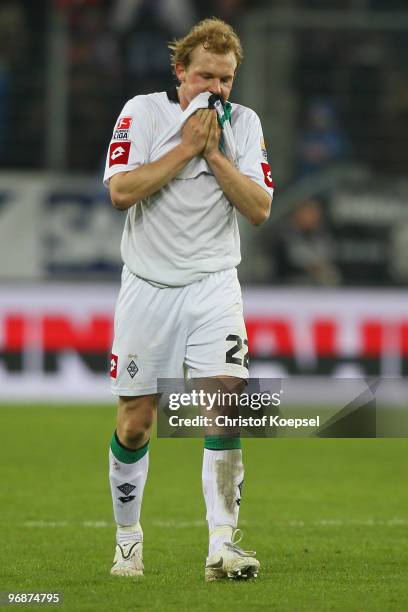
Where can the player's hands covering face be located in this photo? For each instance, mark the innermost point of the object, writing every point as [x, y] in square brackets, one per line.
[213, 140]
[196, 130]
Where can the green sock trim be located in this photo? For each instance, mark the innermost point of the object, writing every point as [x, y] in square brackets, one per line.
[221, 443]
[127, 455]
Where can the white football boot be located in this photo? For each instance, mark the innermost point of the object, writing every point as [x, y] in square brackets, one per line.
[232, 562]
[128, 560]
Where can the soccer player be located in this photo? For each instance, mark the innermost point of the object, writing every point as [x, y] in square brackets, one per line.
[180, 304]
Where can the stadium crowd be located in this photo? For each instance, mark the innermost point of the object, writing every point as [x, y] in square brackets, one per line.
[351, 90]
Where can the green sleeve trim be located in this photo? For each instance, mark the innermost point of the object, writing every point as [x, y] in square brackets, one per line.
[127, 455]
[221, 443]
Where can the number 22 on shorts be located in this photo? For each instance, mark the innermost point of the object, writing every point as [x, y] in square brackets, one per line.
[230, 355]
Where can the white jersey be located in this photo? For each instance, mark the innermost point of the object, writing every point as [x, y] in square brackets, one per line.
[188, 229]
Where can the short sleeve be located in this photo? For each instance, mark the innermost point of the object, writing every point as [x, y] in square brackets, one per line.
[131, 139]
[252, 154]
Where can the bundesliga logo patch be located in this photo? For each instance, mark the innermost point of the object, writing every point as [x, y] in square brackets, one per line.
[263, 149]
[119, 153]
[120, 135]
[124, 123]
[122, 128]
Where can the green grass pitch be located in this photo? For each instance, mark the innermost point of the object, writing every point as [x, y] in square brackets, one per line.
[328, 519]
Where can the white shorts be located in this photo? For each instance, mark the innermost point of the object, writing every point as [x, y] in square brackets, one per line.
[161, 332]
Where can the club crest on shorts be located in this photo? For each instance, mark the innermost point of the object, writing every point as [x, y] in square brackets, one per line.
[132, 369]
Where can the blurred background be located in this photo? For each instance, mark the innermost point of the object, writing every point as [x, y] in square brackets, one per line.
[325, 280]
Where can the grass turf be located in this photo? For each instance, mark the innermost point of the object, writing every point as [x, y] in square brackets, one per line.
[328, 519]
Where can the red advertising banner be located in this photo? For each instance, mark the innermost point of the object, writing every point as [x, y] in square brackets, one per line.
[55, 340]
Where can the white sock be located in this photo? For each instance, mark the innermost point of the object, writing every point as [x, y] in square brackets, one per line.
[217, 537]
[127, 481]
[133, 533]
[223, 475]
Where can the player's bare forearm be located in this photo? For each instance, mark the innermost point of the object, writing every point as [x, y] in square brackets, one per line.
[251, 200]
[129, 188]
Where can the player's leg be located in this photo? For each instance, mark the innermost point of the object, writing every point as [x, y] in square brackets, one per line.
[149, 344]
[128, 467]
[223, 478]
[223, 470]
[218, 348]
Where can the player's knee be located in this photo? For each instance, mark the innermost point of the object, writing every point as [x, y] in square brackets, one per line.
[133, 432]
[227, 384]
[134, 439]
[135, 421]
[234, 384]
[134, 424]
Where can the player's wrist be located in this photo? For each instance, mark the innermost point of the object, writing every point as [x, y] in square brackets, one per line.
[187, 151]
[213, 156]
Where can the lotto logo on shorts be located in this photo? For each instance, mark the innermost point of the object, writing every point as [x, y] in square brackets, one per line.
[266, 169]
[124, 123]
[119, 153]
[113, 366]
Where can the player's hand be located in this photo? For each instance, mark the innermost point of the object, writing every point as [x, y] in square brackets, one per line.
[213, 140]
[194, 134]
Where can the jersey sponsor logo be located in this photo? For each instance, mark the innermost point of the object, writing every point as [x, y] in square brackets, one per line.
[121, 135]
[266, 169]
[119, 153]
[113, 366]
[124, 123]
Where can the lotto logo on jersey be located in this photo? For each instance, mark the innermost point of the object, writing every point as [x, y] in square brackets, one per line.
[266, 169]
[119, 153]
[124, 123]
[113, 366]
